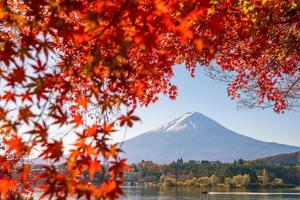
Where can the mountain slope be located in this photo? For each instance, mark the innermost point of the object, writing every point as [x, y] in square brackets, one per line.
[287, 158]
[194, 136]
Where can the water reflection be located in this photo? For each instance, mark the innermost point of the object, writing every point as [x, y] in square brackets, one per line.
[188, 193]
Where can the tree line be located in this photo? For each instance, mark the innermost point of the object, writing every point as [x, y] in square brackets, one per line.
[238, 174]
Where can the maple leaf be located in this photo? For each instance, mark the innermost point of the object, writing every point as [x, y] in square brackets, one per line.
[58, 115]
[128, 119]
[3, 113]
[26, 96]
[113, 151]
[110, 189]
[83, 101]
[107, 128]
[118, 168]
[77, 120]
[39, 67]
[9, 96]
[25, 114]
[92, 131]
[53, 151]
[15, 144]
[6, 53]
[94, 166]
[40, 132]
[7, 185]
[18, 75]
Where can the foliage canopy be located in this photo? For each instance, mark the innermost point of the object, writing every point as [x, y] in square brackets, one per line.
[63, 60]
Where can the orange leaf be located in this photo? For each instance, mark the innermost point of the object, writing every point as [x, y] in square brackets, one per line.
[118, 168]
[16, 145]
[6, 185]
[77, 120]
[108, 186]
[83, 101]
[94, 167]
[92, 131]
[113, 151]
[107, 128]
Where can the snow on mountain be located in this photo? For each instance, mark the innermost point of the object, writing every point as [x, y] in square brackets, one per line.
[194, 136]
[189, 121]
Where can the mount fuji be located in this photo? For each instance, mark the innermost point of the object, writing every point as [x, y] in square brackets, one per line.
[194, 136]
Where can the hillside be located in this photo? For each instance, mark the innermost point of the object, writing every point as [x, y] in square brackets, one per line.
[287, 158]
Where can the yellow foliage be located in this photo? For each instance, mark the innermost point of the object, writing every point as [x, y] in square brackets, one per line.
[247, 7]
[294, 6]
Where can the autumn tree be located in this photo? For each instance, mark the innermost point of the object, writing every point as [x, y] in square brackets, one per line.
[258, 54]
[214, 180]
[241, 180]
[67, 66]
[264, 178]
[149, 170]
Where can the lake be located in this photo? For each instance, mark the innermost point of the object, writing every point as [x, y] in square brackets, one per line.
[186, 193]
[190, 193]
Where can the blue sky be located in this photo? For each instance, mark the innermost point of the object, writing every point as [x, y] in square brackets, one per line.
[209, 97]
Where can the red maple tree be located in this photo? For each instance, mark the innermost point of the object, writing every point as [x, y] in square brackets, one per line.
[63, 61]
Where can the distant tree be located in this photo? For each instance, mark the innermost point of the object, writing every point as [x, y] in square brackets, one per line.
[205, 181]
[214, 180]
[229, 182]
[168, 181]
[264, 177]
[180, 161]
[134, 168]
[149, 170]
[241, 180]
[240, 161]
[277, 181]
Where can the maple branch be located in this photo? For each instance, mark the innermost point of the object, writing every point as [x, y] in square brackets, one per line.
[291, 87]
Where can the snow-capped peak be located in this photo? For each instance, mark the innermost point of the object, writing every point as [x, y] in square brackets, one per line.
[188, 121]
[193, 136]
